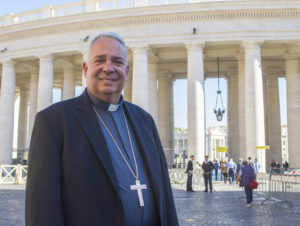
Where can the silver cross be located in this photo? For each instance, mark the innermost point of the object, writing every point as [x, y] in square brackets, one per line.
[138, 187]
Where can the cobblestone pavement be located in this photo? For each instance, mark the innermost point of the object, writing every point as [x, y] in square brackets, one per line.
[226, 205]
[12, 201]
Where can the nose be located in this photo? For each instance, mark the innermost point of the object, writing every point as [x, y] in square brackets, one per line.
[108, 67]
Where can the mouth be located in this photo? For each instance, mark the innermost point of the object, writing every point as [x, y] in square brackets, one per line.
[107, 80]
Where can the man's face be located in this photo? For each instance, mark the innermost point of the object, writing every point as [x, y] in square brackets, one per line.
[106, 69]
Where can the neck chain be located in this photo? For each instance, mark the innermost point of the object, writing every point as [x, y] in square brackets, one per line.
[136, 176]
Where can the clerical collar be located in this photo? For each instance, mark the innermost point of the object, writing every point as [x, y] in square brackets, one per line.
[104, 105]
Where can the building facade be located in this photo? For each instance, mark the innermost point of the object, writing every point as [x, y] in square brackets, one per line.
[256, 41]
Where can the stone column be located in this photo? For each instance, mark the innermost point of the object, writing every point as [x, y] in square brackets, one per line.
[229, 118]
[196, 107]
[84, 59]
[23, 118]
[69, 83]
[241, 108]
[164, 111]
[273, 120]
[171, 119]
[233, 114]
[153, 99]
[34, 77]
[45, 88]
[293, 110]
[140, 77]
[163, 108]
[128, 87]
[254, 106]
[7, 100]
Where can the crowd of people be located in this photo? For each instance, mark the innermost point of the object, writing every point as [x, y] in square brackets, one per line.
[244, 173]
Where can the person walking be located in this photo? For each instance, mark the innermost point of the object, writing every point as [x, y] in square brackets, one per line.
[224, 171]
[216, 166]
[207, 167]
[231, 169]
[246, 175]
[189, 172]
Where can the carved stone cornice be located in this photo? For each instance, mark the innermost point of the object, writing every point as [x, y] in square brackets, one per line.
[82, 22]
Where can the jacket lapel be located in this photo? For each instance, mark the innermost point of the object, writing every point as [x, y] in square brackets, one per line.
[89, 124]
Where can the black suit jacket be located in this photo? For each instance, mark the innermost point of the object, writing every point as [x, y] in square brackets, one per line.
[71, 180]
[189, 166]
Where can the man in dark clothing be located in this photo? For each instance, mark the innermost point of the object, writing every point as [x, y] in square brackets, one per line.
[189, 171]
[96, 159]
[273, 166]
[246, 175]
[207, 167]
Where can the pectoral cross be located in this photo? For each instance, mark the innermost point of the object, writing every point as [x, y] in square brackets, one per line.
[138, 187]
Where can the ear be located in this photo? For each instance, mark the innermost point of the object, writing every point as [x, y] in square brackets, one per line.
[85, 68]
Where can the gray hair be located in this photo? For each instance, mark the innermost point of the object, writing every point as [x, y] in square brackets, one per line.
[109, 35]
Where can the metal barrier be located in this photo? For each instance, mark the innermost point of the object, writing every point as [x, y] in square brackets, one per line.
[179, 177]
[283, 171]
[280, 188]
[13, 174]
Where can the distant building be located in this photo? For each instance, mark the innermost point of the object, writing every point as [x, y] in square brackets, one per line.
[216, 137]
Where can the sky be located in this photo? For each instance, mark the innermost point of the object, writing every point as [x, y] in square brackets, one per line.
[180, 86]
[16, 6]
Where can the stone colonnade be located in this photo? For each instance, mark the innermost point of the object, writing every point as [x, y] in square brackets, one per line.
[253, 104]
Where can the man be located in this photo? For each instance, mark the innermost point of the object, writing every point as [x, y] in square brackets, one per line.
[250, 162]
[256, 165]
[231, 169]
[96, 159]
[239, 166]
[216, 166]
[189, 171]
[207, 167]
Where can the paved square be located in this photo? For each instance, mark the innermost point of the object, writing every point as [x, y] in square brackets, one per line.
[225, 206]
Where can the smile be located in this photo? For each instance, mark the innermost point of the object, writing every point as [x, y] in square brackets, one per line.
[107, 80]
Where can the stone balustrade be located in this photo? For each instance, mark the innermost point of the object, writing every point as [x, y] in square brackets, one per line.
[83, 7]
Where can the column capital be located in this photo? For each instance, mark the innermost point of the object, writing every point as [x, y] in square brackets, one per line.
[164, 74]
[272, 71]
[45, 57]
[194, 45]
[7, 61]
[252, 44]
[153, 60]
[84, 52]
[139, 48]
[66, 65]
[232, 71]
[292, 56]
